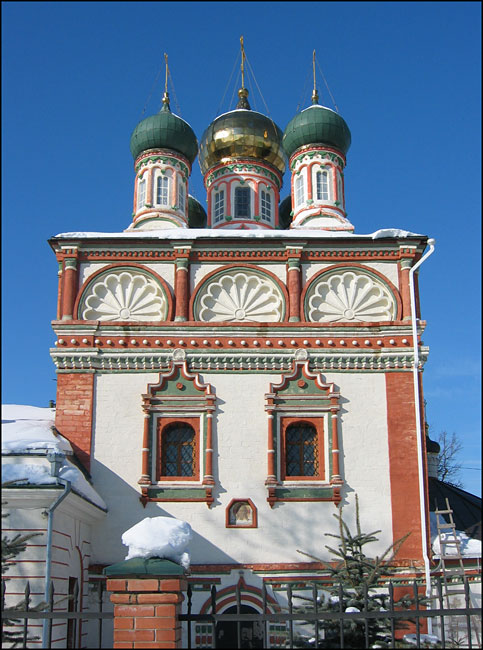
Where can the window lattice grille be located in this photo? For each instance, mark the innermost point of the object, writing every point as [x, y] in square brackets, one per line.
[177, 457]
[242, 202]
[301, 455]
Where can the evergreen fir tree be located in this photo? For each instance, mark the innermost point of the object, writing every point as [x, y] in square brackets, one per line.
[11, 548]
[356, 586]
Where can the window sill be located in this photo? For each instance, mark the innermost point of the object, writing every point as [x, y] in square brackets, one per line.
[200, 493]
[317, 492]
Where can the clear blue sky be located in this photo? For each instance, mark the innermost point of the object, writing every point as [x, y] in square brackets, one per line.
[76, 77]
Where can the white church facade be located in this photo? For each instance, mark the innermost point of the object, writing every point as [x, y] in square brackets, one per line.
[248, 369]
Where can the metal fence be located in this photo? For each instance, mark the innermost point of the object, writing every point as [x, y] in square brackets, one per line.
[66, 608]
[452, 626]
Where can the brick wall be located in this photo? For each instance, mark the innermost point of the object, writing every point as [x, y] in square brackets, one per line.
[403, 463]
[73, 415]
[146, 611]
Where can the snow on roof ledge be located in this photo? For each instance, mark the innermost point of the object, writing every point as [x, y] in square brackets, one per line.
[29, 429]
[206, 233]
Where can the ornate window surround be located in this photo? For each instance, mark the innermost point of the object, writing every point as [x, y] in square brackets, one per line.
[179, 396]
[303, 395]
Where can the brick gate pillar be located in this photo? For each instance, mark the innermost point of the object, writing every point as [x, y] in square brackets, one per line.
[147, 597]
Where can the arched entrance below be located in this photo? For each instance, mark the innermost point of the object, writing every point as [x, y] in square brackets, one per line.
[251, 632]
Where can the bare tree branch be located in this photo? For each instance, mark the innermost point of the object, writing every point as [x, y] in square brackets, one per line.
[449, 468]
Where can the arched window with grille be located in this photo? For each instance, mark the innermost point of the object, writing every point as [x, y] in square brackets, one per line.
[141, 193]
[265, 205]
[322, 185]
[219, 206]
[177, 457]
[242, 202]
[181, 195]
[299, 190]
[302, 451]
[162, 190]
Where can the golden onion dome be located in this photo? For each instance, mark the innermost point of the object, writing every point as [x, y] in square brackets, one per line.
[242, 133]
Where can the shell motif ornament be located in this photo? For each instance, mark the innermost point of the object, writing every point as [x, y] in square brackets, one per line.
[350, 296]
[240, 296]
[125, 296]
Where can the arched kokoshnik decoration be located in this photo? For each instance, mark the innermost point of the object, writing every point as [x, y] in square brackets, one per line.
[247, 596]
[303, 397]
[350, 293]
[242, 293]
[124, 292]
[179, 397]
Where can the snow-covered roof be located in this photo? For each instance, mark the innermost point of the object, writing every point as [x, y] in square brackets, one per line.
[468, 547]
[205, 233]
[29, 430]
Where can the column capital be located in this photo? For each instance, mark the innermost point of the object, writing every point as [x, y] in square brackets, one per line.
[406, 263]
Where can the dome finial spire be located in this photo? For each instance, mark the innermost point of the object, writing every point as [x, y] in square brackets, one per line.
[243, 92]
[166, 95]
[315, 94]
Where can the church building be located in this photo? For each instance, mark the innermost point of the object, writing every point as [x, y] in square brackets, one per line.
[250, 368]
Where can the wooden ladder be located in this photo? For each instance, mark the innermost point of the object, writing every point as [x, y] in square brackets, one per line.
[453, 575]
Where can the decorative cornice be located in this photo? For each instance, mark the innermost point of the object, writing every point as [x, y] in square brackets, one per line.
[268, 361]
[311, 152]
[165, 159]
[265, 254]
[242, 166]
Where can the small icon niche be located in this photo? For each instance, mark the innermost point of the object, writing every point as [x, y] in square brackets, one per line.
[241, 513]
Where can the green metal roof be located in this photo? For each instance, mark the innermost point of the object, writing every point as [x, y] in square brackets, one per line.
[153, 566]
[317, 125]
[164, 131]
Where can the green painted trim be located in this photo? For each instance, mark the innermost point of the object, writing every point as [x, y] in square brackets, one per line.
[304, 492]
[172, 494]
[333, 157]
[240, 167]
[137, 566]
[165, 160]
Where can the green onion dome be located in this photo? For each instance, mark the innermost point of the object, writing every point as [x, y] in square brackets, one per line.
[242, 133]
[164, 131]
[285, 212]
[196, 213]
[317, 125]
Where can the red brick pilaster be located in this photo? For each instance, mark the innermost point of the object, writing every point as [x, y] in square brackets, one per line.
[73, 413]
[181, 285]
[294, 282]
[69, 288]
[405, 266]
[146, 611]
[403, 463]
